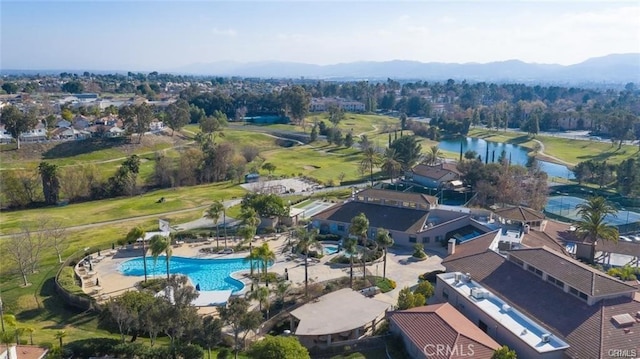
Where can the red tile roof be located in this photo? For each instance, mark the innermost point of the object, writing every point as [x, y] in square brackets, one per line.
[435, 172]
[521, 214]
[587, 328]
[443, 324]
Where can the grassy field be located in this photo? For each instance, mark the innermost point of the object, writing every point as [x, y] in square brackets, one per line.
[568, 150]
[122, 208]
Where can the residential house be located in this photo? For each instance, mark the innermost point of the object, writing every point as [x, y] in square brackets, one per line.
[323, 104]
[594, 314]
[409, 217]
[81, 122]
[5, 136]
[156, 125]
[524, 217]
[69, 133]
[440, 331]
[37, 134]
[433, 176]
[105, 131]
[63, 124]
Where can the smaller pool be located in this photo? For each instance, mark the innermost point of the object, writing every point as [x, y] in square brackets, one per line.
[330, 249]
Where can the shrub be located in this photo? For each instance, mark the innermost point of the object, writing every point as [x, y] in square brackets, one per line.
[67, 281]
[429, 276]
[385, 284]
[329, 237]
[153, 285]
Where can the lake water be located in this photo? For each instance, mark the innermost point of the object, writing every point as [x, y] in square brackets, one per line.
[518, 154]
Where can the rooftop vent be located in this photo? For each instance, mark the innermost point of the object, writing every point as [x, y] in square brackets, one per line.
[506, 308]
[478, 293]
[623, 320]
[545, 337]
[467, 278]
[524, 331]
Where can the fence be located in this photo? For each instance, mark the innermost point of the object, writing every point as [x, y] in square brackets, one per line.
[76, 301]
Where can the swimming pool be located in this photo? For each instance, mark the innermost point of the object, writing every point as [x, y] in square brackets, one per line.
[330, 249]
[210, 274]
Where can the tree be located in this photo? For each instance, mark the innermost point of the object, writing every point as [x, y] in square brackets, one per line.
[211, 333]
[296, 103]
[278, 347]
[405, 299]
[59, 335]
[433, 156]
[425, 288]
[262, 296]
[269, 167]
[360, 227]
[10, 87]
[384, 240]
[158, 245]
[282, 288]
[16, 122]
[504, 353]
[266, 256]
[237, 316]
[306, 241]
[177, 115]
[73, 87]
[313, 136]
[348, 140]
[390, 163]
[50, 182]
[213, 213]
[133, 235]
[371, 159]
[350, 246]
[408, 149]
[136, 119]
[213, 124]
[247, 233]
[336, 114]
[264, 205]
[592, 225]
[56, 234]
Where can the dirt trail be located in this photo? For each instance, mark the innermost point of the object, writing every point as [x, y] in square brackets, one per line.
[549, 157]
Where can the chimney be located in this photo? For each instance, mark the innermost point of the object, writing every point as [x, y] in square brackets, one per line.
[452, 246]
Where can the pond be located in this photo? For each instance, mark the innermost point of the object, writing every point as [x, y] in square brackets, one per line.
[518, 154]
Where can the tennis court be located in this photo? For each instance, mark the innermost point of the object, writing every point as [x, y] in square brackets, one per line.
[314, 208]
[565, 206]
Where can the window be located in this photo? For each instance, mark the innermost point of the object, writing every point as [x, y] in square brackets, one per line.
[555, 281]
[534, 270]
[573, 291]
[413, 239]
[482, 325]
[445, 294]
[583, 296]
[516, 261]
[341, 227]
[426, 239]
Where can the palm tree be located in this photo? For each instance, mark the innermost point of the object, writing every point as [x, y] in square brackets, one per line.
[213, 213]
[59, 335]
[281, 291]
[390, 163]
[359, 228]
[304, 243]
[371, 159]
[250, 217]
[384, 240]
[252, 258]
[350, 246]
[265, 255]
[133, 235]
[592, 225]
[158, 245]
[30, 330]
[262, 296]
[6, 337]
[433, 156]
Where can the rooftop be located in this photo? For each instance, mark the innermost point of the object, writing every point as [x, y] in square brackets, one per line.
[518, 323]
[520, 214]
[337, 312]
[446, 326]
[435, 172]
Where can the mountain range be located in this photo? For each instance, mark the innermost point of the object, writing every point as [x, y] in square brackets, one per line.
[615, 68]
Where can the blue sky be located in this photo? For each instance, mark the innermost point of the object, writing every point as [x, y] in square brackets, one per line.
[165, 35]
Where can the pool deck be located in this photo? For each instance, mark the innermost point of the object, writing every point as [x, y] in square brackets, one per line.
[400, 268]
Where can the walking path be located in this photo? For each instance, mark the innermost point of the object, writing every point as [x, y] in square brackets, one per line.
[553, 158]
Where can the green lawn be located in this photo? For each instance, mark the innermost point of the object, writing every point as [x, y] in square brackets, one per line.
[125, 207]
[568, 150]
